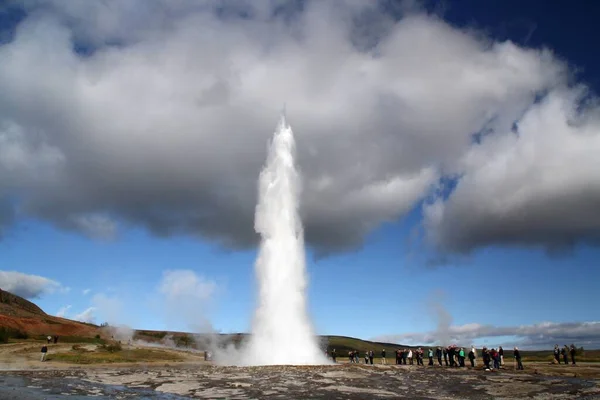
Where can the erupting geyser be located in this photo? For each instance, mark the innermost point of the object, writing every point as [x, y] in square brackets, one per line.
[282, 332]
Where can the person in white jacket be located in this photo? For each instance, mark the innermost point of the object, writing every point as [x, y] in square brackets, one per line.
[475, 354]
[410, 357]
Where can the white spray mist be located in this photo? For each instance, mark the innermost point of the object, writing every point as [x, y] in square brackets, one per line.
[282, 332]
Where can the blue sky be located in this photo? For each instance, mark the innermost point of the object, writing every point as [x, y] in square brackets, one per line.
[378, 279]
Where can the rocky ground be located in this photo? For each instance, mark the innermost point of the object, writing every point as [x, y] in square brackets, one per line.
[205, 381]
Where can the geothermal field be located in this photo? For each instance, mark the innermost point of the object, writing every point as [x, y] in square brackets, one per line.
[282, 358]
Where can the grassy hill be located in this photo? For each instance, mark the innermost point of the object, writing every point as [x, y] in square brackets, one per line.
[22, 319]
[344, 344]
[13, 305]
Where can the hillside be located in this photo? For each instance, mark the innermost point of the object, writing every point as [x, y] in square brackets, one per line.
[23, 316]
[15, 306]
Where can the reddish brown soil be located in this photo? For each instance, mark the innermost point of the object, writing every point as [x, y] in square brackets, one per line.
[21, 314]
[47, 325]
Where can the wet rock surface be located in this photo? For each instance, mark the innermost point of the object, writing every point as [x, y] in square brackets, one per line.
[292, 382]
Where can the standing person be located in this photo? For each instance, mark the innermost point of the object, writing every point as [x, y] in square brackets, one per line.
[44, 352]
[496, 358]
[565, 354]
[461, 357]
[573, 354]
[383, 357]
[486, 357]
[357, 357]
[438, 354]
[371, 356]
[445, 352]
[430, 354]
[333, 355]
[474, 351]
[556, 354]
[472, 358]
[366, 357]
[517, 355]
[410, 357]
[501, 354]
[49, 339]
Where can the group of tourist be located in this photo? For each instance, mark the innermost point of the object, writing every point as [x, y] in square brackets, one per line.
[564, 352]
[454, 356]
[353, 357]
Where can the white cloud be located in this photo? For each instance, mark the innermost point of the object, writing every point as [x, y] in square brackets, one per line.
[538, 186]
[28, 286]
[537, 336]
[152, 132]
[62, 312]
[89, 315]
[86, 291]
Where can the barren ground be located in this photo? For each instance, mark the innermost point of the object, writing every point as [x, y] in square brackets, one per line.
[26, 378]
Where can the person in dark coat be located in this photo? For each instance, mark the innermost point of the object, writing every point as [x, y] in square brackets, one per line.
[451, 354]
[517, 355]
[472, 358]
[44, 352]
[573, 354]
[557, 354]
[438, 354]
[565, 354]
[486, 357]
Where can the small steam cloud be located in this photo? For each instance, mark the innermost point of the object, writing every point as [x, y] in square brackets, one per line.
[441, 315]
[62, 312]
[88, 315]
[110, 308]
[187, 297]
